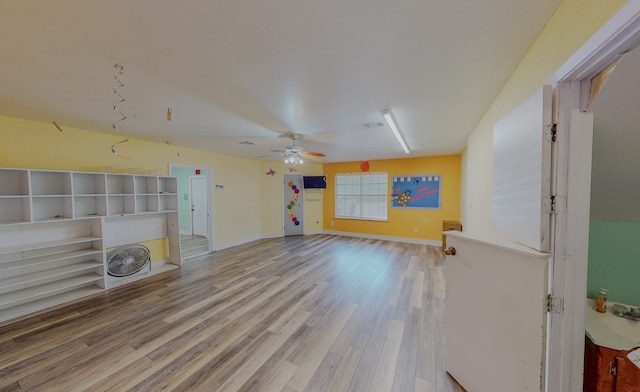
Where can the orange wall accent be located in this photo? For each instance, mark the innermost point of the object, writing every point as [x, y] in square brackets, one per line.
[401, 223]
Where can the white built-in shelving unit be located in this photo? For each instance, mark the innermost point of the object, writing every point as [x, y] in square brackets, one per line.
[56, 228]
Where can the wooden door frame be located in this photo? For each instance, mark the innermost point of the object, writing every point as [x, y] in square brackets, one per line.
[572, 83]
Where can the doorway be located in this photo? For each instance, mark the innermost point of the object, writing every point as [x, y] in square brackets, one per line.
[195, 209]
[619, 35]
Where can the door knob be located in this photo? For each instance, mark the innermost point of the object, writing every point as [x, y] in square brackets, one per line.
[450, 251]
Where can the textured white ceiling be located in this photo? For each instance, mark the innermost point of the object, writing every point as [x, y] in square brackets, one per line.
[236, 70]
[615, 180]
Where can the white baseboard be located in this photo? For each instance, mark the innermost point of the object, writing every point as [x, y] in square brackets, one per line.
[385, 238]
[235, 243]
[333, 232]
[267, 236]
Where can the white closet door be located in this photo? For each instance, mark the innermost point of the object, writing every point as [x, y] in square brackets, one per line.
[522, 171]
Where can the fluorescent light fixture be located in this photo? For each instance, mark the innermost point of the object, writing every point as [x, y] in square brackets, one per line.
[394, 128]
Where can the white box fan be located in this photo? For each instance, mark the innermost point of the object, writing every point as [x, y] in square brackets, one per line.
[128, 260]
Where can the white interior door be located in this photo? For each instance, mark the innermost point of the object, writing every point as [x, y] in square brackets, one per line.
[199, 221]
[292, 200]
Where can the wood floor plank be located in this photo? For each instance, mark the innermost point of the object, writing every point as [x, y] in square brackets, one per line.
[424, 386]
[281, 378]
[57, 375]
[205, 303]
[311, 358]
[11, 374]
[417, 289]
[363, 377]
[345, 371]
[139, 354]
[258, 358]
[293, 314]
[407, 360]
[386, 368]
[321, 378]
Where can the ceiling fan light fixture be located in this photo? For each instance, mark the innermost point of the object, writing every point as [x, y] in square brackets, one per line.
[394, 128]
[293, 158]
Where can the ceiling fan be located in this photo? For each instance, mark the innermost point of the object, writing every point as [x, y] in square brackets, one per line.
[293, 155]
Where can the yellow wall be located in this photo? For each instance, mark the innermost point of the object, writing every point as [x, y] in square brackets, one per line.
[573, 23]
[32, 144]
[401, 223]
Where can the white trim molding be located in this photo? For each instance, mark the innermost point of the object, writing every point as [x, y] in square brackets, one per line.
[385, 238]
[619, 35]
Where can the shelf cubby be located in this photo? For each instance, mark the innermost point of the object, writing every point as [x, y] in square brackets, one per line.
[168, 203]
[146, 203]
[86, 206]
[14, 209]
[89, 184]
[51, 208]
[50, 183]
[145, 185]
[167, 185]
[120, 205]
[120, 184]
[14, 182]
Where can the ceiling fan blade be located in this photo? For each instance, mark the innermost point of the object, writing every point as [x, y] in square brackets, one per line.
[315, 154]
[280, 151]
[313, 158]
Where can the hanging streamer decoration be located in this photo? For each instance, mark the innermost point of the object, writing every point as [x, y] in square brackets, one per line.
[118, 99]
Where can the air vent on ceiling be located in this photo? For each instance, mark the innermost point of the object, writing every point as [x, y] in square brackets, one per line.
[247, 143]
[373, 125]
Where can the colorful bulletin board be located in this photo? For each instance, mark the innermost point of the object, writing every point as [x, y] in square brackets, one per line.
[421, 192]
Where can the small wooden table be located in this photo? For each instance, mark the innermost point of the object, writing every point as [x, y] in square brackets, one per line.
[449, 225]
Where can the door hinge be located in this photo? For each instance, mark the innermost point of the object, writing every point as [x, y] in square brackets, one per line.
[553, 204]
[553, 304]
[551, 134]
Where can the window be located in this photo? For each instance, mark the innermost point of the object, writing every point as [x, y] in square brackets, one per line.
[362, 196]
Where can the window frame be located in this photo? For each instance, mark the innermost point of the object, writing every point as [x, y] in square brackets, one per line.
[361, 196]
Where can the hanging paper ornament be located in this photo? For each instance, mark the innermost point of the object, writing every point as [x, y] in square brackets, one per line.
[118, 99]
[364, 166]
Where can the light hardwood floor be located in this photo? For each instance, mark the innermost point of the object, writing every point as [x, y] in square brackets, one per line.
[193, 245]
[293, 314]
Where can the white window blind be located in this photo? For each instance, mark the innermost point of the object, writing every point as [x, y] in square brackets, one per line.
[362, 196]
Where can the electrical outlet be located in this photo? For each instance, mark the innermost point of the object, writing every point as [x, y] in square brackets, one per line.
[415, 229]
[331, 223]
